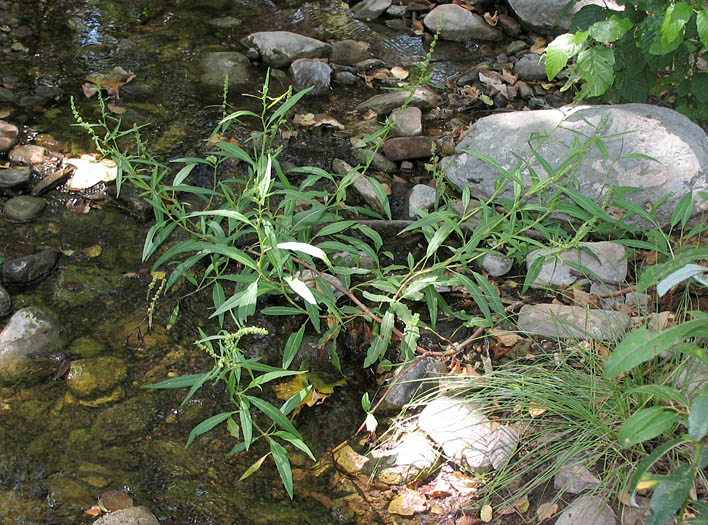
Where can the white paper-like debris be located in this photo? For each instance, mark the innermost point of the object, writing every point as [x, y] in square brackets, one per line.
[90, 172]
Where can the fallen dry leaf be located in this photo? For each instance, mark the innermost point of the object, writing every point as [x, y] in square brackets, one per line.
[492, 20]
[399, 73]
[486, 513]
[93, 511]
[536, 410]
[539, 46]
[118, 110]
[505, 337]
[546, 510]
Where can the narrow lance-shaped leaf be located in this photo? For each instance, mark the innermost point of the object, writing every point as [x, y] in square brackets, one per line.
[646, 424]
[301, 289]
[282, 463]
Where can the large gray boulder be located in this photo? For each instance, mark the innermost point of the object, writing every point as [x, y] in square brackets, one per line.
[553, 16]
[281, 48]
[458, 24]
[678, 146]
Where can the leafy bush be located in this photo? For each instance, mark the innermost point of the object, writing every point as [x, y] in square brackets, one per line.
[655, 47]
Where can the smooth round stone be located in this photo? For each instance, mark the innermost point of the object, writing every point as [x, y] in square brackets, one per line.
[23, 208]
[13, 177]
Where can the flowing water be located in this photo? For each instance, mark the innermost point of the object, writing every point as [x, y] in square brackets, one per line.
[56, 455]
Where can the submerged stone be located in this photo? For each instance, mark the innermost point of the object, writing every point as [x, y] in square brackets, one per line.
[24, 208]
[128, 516]
[88, 377]
[217, 65]
[14, 177]
[8, 136]
[30, 268]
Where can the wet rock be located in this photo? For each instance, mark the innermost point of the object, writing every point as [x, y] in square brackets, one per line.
[370, 9]
[560, 321]
[8, 136]
[346, 78]
[369, 64]
[531, 67]
[24, 208]
[405, 148]
[422, 197]
[421, 378]
[129, 419]
[114, 500]
[574, 478]
[85, 347]
[679, 146]
[515, 46]
[26, 342]
[307, 72]
[378, 161]
[90, 377]
[607, 263]
[412, 457]
[130, 201]
[14, 177]
[461, 429]
[5, 302]
[361, 184]
[28, 154]
[30, 268]
[225, 22]
[458, 24]
[407, 122]
[50, 181]
[68, 492]
[422, 97]
[509, 25]
[7, 95]
[552, 16]
[215, 66]
[280, 48]
[349, 52]
[177, 460]
[496, 264]
[408, 503]
[349, 460]
[397, 11]
[83, 286]
[130, 516]
[588, 510]
[525, 91]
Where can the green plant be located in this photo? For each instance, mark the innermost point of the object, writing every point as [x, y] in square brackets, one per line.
[655, 47]
[242, 377]
[664, 408]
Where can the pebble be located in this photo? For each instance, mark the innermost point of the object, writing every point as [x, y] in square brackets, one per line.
[28, 154]
[24, 208]
[370, 9]
[378, 161]
[496, 265]
[531, 67]
[422, 197]
[407, 122]
[309, 73]
[349, 52]
[8, 136]
[115, 500]
[14, 177]
[406, 148]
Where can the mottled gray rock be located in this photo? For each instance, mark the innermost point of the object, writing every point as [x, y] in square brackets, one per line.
[225, 22]
[5, 302]
[8, 136]
[26, 343]
[307, 72]
[378, 161]
[345, 78]
[29, 268]
[370, 9]
[14, 177]
[280, 48]
[458, 24]
[361, 184]
[422, 197]
[24, 208]
[552, 16]
[421, 378]
[502, 444]
[562, 321]
[349, 52]
[129, 516]
[407, 122]
[678, 145]
[509, 25]
[587, 510]
[406, 148]
[412, 457]
[423, 97]
[461, 429]
[397, 11]
[531, 67]
[216, 65]
[496, 265]
[28, 154]
[607, 263]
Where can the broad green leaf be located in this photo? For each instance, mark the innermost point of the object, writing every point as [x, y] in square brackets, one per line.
[702, 26]
[682, 274]
[698, 418]
[557, 54]
[365, 402]
[282, 463]
[646, 424]
[207, 425]
[596, 67]
[587, 16]
[233, 427]
[670, 494]
[606, 31]
[674, 24]
[292, 346]
[643, 344]
[301, 289]
[183, 174]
